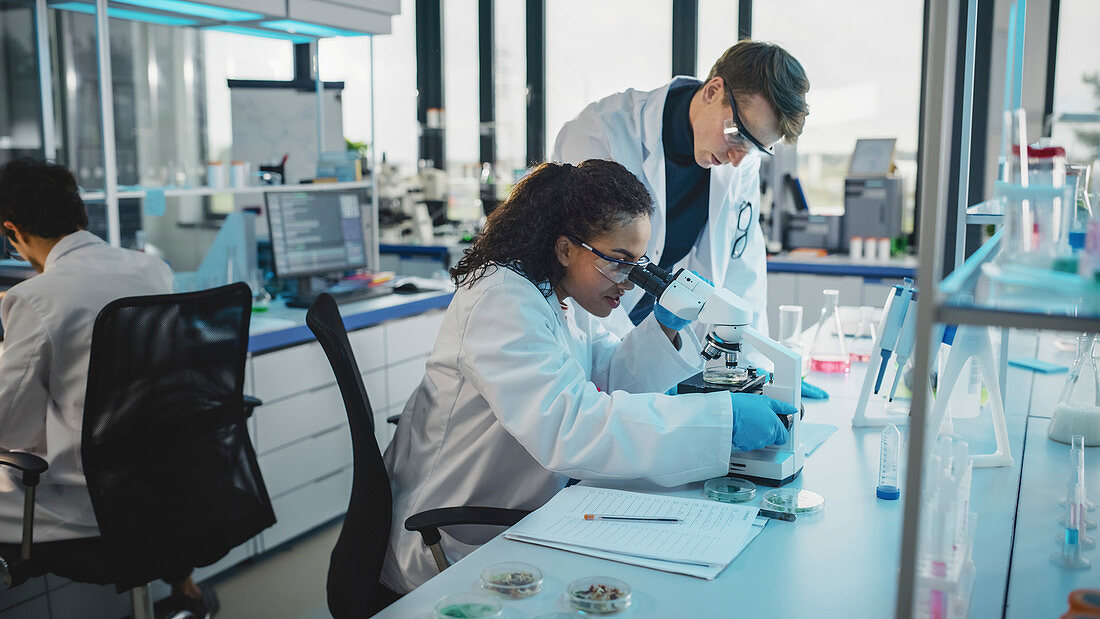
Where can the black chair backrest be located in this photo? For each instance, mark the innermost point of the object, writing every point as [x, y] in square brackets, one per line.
[170, 468]
[357, 558]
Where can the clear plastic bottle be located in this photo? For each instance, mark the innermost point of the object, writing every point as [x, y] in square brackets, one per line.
[1078, 410]
[864, 339]
[1077, 176]
[829, 353]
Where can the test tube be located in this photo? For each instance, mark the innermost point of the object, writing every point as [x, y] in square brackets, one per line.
[889, 461]
[1074, 521]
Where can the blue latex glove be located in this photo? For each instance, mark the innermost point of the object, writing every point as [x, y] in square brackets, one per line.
[813, 392]
[756, 423]
[670, 320]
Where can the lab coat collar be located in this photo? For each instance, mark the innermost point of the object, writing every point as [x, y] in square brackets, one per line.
[69, 243]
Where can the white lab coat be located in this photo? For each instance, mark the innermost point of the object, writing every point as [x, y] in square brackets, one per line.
[520, 395]
[44, 373]
[627, 127]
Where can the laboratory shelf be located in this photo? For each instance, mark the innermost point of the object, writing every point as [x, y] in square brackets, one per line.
[215, 191]
[988, 291]
[988, 212]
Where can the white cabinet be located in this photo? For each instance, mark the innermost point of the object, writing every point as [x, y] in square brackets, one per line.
[301, 433]
[311, 505]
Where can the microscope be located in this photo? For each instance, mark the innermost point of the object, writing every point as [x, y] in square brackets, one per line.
[690, 297]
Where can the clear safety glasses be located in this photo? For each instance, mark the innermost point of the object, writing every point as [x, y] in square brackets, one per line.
[744, 220]
[614, 269]
[737, 137]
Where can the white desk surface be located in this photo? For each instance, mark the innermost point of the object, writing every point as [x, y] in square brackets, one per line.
[843, 562]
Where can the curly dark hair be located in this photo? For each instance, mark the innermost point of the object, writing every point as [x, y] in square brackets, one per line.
[554, 200]
[42, 198]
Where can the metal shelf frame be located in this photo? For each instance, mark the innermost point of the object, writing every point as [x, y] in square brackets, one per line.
[946, 302]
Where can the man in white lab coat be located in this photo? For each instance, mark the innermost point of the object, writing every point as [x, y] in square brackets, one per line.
[47, 322]
[678, 139]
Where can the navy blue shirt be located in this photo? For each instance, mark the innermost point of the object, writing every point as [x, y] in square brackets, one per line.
[687, 186]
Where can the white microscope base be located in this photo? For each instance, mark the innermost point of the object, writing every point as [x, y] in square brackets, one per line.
[770, 467]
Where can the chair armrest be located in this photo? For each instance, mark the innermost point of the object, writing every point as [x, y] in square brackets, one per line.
[250, 404]
[427, 523]
[393, 419]
[30, 465]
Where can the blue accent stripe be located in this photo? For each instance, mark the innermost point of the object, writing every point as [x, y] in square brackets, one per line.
[859, 270]
[272, 340]
[414, 250]
[317, 30]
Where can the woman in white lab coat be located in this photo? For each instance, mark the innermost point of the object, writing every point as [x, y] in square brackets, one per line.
[524, 390]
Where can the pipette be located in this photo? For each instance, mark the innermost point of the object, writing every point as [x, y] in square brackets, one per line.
[905, 346]
[1076, 486]
[889, 461]
[892, 327]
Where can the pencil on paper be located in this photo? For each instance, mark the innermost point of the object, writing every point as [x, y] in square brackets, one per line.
[629, 518]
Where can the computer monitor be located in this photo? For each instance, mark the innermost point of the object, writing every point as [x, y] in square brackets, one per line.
[315, 232]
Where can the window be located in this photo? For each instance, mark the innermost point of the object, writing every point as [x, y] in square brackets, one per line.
[348, 60]
[853, 94]
[510, 65]
[1077, 81]
[20, 112]
[395, 91]
[594, 49]
[460, 87]
[717, 32]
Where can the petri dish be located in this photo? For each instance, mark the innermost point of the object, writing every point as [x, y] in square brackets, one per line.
[729, 489]
[513, 580]
[793, 501]
[598, 595]
[467, 606]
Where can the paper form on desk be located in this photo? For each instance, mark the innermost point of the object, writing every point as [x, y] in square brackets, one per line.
[709, 537]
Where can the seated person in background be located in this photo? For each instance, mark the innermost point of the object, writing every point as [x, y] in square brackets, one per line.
[48, 333]
[525, 390]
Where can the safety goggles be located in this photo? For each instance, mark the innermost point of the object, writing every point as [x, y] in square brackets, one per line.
[737, 137]
[614, 269]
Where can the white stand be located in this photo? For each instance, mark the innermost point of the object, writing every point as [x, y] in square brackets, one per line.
[974, 343]
[880, 406]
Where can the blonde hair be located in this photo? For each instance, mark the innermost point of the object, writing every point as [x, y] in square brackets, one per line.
[755, 67]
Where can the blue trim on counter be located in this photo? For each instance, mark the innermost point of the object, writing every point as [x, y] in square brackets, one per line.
[438, 251]
[858, 270]
[292, 336]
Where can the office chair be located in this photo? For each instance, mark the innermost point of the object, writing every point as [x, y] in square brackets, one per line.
[171, 472]
[356, 561]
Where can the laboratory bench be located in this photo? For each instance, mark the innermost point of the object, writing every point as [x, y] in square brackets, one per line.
[844, 561]
[300, 434]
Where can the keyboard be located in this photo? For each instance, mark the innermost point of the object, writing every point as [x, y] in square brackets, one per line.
[342, 295]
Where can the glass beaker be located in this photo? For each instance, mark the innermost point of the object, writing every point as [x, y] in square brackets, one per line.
[261, 298]
[828, 353]
[1078, 410]
[864, 339]
[790, 333]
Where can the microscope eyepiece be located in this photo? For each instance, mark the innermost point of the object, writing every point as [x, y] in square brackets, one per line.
[651, 278]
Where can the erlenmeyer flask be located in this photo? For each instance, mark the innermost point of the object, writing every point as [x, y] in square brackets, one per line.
[829, 352]
[1078, 410]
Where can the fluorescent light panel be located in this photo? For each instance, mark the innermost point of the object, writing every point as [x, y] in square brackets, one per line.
[256, 32]
[152, 18]
[192, 8]
[316, 30]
